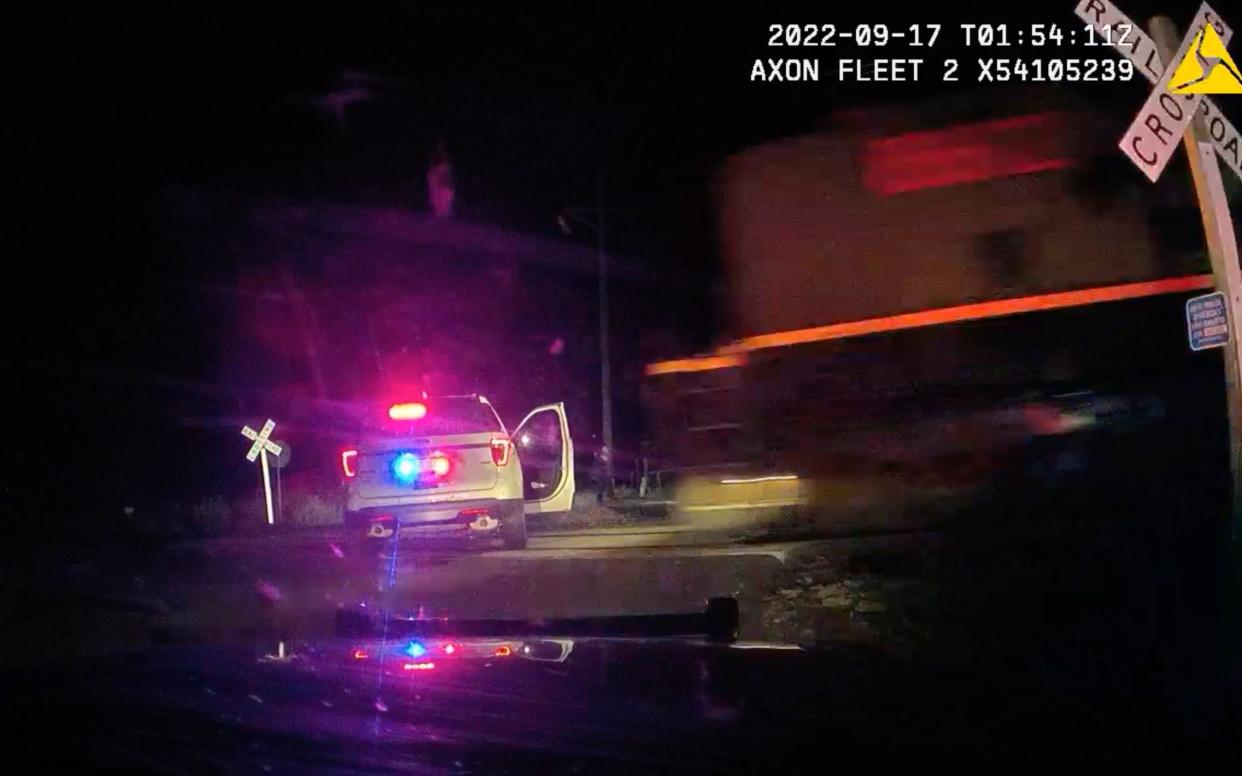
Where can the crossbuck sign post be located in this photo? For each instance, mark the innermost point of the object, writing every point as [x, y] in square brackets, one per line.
[1170, 112]
[260, 449]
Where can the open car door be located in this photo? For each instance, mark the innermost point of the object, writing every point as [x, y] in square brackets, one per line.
[546, 453]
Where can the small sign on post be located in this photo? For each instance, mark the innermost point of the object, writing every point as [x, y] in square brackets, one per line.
[260, 449]
[1207, 321]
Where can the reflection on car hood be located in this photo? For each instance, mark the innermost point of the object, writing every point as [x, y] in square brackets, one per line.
[625, 703]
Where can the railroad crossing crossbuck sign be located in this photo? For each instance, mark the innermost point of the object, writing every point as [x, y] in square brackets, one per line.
[1156, 131]
[261, 440]
[1200, 65]
[1136, 45]
[1177, 112]
[260, 449]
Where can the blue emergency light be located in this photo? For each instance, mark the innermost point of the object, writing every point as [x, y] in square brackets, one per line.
[406, 467]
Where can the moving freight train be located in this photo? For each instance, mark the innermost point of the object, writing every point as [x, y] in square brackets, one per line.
[924, 317]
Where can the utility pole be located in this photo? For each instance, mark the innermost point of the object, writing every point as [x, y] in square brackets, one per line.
[605, 360]
[605, 366]
[1222, 248]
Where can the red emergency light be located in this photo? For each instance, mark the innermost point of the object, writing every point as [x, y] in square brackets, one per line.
[439, 464]
[408, 411]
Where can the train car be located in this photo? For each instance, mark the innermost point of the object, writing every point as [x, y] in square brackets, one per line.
[923, 317]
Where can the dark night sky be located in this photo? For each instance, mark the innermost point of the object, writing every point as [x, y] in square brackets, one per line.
[531, 105]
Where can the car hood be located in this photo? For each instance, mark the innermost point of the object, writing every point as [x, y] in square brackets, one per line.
[617, 703]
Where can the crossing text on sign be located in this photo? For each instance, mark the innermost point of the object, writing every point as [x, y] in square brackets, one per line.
[1156, 131]
[1140, 49]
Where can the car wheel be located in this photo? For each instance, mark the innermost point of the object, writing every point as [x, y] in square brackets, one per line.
[513, 533]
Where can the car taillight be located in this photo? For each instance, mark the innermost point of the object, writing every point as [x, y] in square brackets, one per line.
[500, 450]
[349, 460]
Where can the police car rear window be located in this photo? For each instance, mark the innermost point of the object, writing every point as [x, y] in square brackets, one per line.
[444, 416]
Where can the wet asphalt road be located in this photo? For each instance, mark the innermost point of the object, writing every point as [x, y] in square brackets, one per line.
[291, 585]
[1109, 605]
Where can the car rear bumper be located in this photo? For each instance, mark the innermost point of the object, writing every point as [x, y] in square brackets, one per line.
[459, 519]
